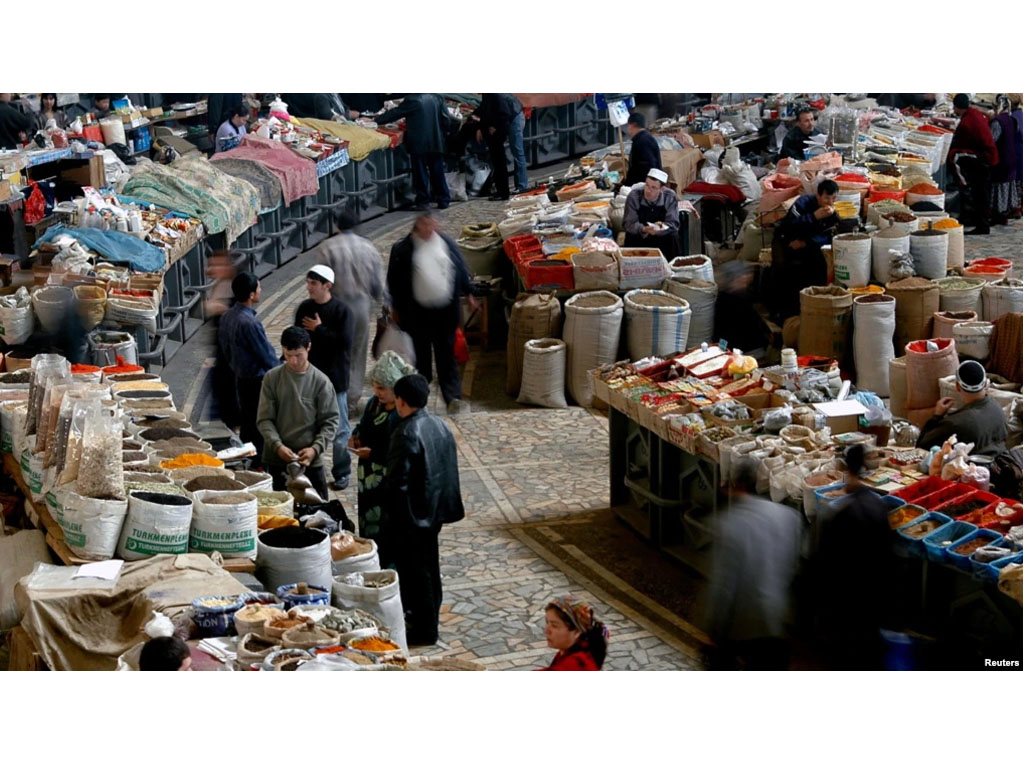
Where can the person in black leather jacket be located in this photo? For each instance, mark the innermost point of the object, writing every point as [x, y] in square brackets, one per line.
[422, 494]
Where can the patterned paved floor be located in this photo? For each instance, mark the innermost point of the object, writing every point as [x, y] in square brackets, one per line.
[527, 467]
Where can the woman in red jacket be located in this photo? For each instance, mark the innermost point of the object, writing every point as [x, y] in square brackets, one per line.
[581, 640]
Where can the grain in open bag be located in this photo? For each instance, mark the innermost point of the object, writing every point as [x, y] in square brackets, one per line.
[157, 524]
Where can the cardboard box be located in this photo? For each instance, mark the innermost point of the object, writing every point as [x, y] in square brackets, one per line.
[8, 266]
[5, 190]
[92, 174]
[708, 140]
[841, 415]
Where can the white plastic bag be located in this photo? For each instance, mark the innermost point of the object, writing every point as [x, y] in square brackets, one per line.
[456, 186]
[396, 340]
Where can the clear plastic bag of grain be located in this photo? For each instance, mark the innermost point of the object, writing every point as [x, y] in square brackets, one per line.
[101, 470]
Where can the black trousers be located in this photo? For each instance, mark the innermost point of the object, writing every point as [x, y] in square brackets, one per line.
[428, 179]
[315, 474]
[499, 163]
[976, 175]
[760, 654]
[435, 332]
[249, 403]
[419, 580]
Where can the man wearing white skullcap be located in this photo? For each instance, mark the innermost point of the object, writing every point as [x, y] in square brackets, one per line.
[980, 421]
[651, 218]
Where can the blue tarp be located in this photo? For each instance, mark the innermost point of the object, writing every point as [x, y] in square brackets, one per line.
[114, 246]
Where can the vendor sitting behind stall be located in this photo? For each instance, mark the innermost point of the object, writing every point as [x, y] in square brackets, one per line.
[796, 140]
[654, 204]
[233, 127]
[981, 421]
[797, 259]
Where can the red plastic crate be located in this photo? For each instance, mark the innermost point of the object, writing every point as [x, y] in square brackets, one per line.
[955, 492]
[519, 244]
[974, 495]
[987, 518]
[549, 274]
[922, 488]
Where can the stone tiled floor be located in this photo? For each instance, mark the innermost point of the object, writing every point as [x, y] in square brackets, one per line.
[517, 465]
[520, 466]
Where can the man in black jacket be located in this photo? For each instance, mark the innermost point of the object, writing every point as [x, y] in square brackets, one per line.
[796, 139]
[319, 106]
[645, 152]
[495, 115]
[423, 493]
[426, 123]
[331, 328]
[426, 277]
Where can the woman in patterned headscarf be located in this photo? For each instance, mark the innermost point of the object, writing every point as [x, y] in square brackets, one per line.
[581, 640]
[370, 441]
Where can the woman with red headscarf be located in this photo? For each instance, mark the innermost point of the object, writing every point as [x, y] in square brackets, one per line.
[580, 639]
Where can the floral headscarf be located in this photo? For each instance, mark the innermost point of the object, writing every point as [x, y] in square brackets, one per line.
[390, 367]
[580, 615]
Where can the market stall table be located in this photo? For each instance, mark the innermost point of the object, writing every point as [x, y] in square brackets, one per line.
[41, 518]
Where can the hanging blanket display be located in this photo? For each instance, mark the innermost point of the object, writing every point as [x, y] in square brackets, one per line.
[193, 185]
[297, 174]
[265, 181]
[114, 246]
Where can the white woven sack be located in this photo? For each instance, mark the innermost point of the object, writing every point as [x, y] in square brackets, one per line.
[591, 336]
[543, 373]
[852, 260]
[929, 249]
[696, 267]
[881, 243]
[1001, 297]
[973, 339]
[655, 330]
[701, 296]
[874, 323]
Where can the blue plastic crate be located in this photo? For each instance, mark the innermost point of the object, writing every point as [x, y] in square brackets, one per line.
[998, 565]
[981, 571]
[963, 562]
[917, 545]
[936, 542]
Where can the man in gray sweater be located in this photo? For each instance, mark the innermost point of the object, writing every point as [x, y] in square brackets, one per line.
[298, 413]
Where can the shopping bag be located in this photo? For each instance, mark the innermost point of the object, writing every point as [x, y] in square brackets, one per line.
[461, 347]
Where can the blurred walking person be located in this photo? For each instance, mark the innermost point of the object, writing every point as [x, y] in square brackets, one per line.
[854, 558]
[427, 276]
[756, 556]
[358, 281]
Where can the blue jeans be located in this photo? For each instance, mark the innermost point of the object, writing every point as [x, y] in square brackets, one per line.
[342, 464]
[515, 143]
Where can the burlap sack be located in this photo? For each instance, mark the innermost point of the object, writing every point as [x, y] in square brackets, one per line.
[924, 369]
[917, 300]
[534, 316]
[825, 316]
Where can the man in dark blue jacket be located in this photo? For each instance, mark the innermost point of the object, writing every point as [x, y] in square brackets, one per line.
[645, 152]
[426, 123]
[797, 259]
[243, 343]
[426, 278]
